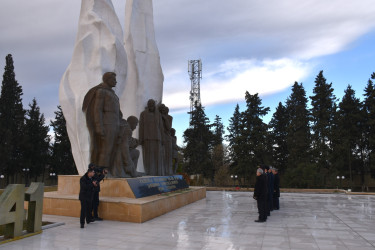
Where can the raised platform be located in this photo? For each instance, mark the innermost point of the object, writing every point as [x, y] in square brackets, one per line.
[117, 201]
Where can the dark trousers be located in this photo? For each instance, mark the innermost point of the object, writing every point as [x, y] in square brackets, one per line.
[95, 204]
[276, 204]
[262, 209]
[85, 211]
[267, 205]
[270, 201]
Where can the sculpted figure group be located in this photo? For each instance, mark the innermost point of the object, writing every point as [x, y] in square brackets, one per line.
[111, 142]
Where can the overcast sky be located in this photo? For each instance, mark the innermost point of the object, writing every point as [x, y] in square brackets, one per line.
[253, 45]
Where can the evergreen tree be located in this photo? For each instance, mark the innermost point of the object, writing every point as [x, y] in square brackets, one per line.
[369, 125]
[198, 138]
[12, 117]
[348, 134]
[218, 132]
[62, 161]
[254, 136]
[233, 138]
[322, 120]
[279, 132]
[217, 157]
[298, 139]
[36, 142]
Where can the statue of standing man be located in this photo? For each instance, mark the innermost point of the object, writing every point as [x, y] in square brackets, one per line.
[150, 139]
[102, 108]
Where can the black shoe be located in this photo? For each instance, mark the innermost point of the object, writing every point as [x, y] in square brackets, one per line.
[89, 221]
[98, 218]
[259, 221]
[82, 225]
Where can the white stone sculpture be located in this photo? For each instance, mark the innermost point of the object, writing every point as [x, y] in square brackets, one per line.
[143, 62]
[99, 48]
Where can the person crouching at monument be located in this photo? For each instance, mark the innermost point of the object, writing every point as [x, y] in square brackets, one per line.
[99, 175]
[260, 195]
[86, 192]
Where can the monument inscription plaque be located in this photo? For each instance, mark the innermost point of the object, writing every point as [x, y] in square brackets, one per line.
[147, 186]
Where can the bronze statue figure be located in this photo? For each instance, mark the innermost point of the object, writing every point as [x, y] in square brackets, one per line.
[166, 139]
[150, 139]
[133, 142]
[175, 149]
[102, 108]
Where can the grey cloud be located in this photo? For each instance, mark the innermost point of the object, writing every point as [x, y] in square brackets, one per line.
[41, 33]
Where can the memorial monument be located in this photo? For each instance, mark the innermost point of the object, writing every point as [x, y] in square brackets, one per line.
[132, 86]
[101, 47]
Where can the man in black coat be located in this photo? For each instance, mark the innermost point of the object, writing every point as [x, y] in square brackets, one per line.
[276, 189]
[86, 192]
[98, 177]
[270, 183]
[260, 195]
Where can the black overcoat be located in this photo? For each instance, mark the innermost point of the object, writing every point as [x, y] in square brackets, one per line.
[276, 185]
[86, 188]
[260, 189]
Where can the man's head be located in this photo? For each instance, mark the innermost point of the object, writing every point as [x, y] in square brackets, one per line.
[151, 105]
[259, 171]
[274, 170]
[109, 79]
[90, 173]
[133, 122]
[267, 168]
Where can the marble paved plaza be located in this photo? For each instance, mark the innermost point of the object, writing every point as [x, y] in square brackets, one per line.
[225, 220]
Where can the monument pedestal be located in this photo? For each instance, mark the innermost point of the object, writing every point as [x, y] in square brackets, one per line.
[117, 200]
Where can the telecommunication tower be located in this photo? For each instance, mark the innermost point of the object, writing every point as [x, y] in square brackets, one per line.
[195, 73]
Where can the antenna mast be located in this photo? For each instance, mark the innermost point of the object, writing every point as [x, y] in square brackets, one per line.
[195, 74]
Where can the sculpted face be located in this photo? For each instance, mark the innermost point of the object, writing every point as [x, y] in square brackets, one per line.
[151, 105]
[112, 81]
[109, 79]
[133, 125]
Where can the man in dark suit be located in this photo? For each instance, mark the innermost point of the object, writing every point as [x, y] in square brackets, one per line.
[270, 187]
[276, 189]
[260, 195]
[98, 177]
[86, 192]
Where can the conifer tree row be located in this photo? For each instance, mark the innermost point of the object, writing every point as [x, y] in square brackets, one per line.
[26, 153]
[310, 143]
